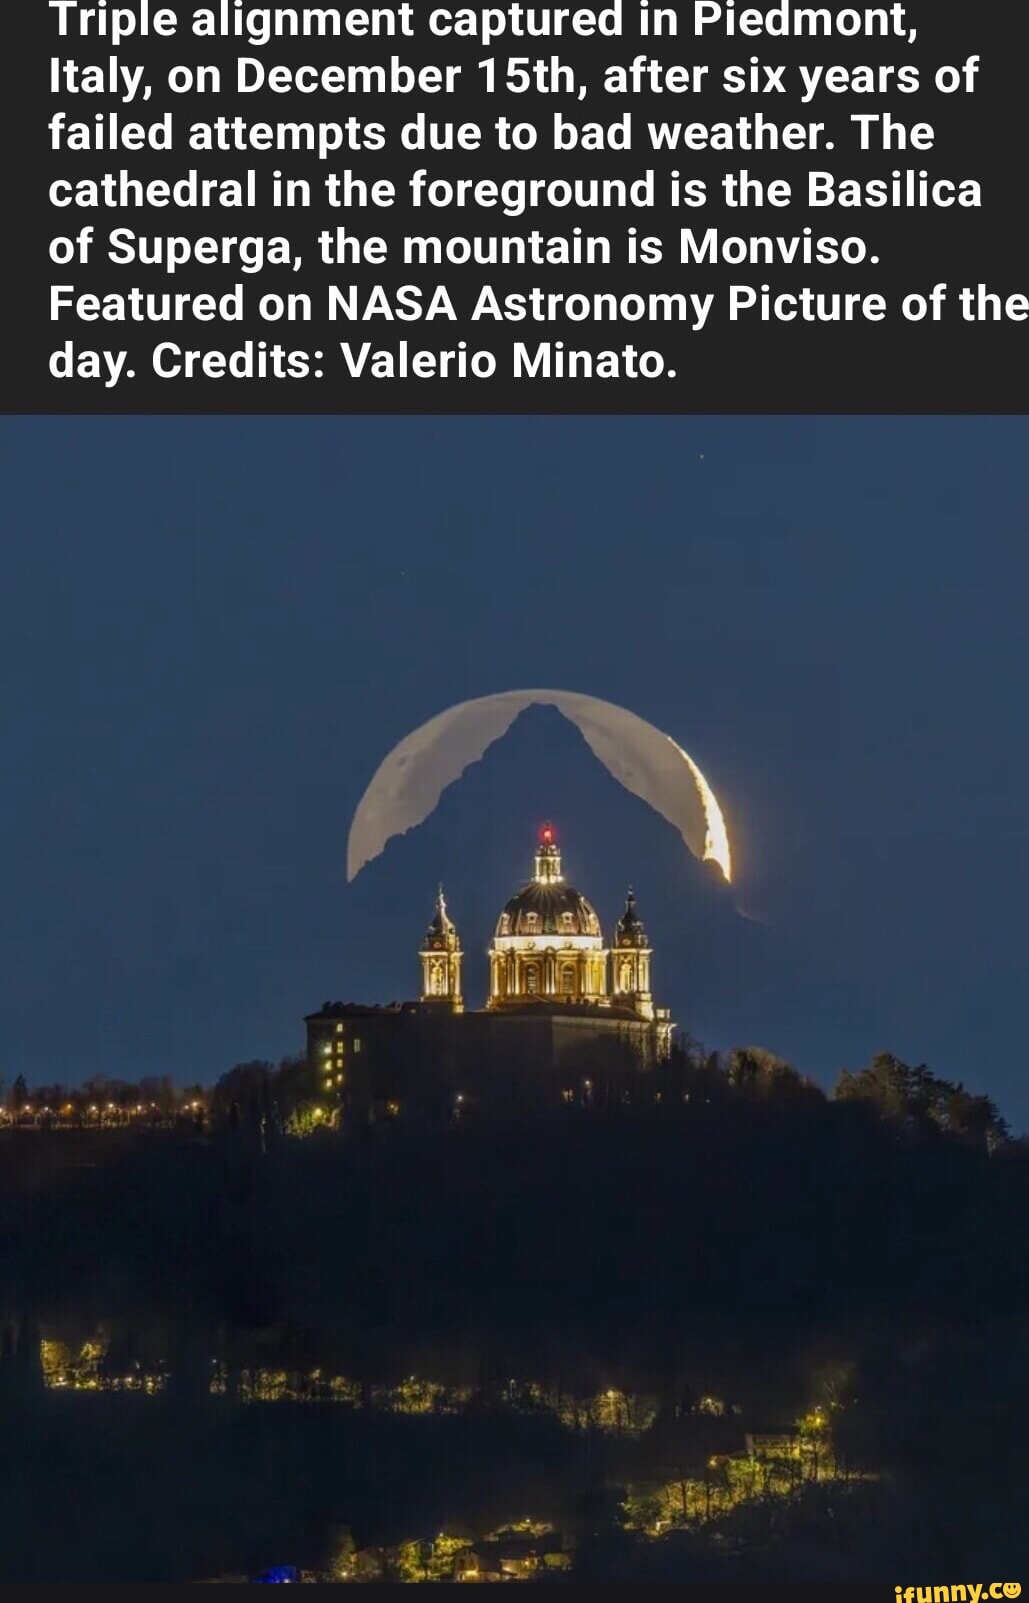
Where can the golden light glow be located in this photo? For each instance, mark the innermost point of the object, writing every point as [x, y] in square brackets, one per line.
[716, 840]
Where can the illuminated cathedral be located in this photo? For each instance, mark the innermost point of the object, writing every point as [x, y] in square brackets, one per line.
[548, 948]
[563, 1009]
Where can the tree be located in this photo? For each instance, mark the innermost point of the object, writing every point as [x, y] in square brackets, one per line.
[18, 1096]
[240, 1095]
[885, 1083]
[157, 1090]
[344, 1552]
[757, 1072]
[296, 1087]
[974, 1118]
[920, 1100]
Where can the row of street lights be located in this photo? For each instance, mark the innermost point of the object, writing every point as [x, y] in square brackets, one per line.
[95, 1112]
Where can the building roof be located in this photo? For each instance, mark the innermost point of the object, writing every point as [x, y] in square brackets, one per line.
[356, 1010]
[552, 908]
[598, 1012]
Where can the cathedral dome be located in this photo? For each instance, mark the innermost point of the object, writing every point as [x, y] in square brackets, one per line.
[557, 910]
[546, 906]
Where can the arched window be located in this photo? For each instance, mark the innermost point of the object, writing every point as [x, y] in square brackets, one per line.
[532, 980]
[568, 978]
[625, 975]
[531, 922]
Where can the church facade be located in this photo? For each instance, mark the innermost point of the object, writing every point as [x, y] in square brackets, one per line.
[566, 1016]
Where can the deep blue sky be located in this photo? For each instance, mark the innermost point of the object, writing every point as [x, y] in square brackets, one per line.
[212, 630]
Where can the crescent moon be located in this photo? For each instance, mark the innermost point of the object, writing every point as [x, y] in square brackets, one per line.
[409, 782]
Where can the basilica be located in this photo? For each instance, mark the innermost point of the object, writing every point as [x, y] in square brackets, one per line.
[566, 1013]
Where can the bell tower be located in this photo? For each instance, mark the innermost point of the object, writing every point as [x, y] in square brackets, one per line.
[441, 961]
[630, 962]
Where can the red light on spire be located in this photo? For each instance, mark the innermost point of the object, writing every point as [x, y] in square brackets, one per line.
[548, 834]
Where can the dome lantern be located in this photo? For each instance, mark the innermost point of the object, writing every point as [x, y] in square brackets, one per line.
[548, 856]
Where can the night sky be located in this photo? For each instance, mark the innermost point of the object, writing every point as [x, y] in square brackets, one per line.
[211, 632]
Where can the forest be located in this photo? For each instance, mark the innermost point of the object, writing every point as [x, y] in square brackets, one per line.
[549, 1299]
